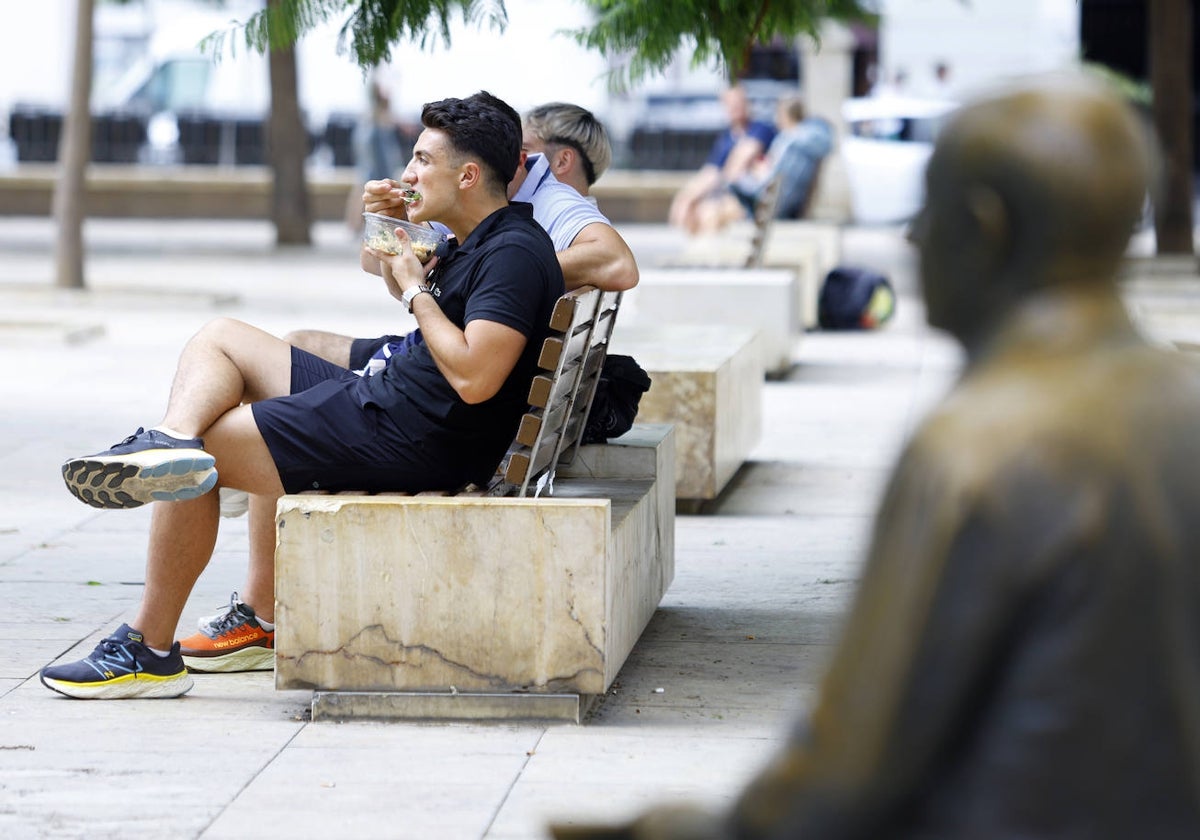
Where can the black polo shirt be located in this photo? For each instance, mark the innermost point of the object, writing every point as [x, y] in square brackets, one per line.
[507, 272]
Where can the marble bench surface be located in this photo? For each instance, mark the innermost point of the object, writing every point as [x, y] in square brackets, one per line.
[477, 595]
[708, 382]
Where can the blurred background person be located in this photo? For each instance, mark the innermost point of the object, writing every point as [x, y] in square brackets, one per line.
[743, 142]
[792, 162]
[378, 150]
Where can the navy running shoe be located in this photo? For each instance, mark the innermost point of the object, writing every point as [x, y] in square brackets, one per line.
[121, 667]
[145, 467]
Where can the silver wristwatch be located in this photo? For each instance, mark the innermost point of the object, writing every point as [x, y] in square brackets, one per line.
[412, 292]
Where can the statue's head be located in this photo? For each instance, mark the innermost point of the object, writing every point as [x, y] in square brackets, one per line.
[1037, 186]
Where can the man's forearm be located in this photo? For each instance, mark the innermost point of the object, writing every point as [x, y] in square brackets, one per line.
[599, 257]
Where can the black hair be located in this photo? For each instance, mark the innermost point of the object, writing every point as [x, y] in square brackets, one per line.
[480, 126]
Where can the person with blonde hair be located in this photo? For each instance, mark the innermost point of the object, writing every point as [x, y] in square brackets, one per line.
[574, 142]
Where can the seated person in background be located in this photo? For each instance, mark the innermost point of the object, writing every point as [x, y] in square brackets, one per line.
[794, 158]
[1022, 659]
[249, 411]
[734, 152]
[572, 139]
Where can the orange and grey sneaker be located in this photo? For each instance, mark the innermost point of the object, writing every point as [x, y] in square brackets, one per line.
[231, 640]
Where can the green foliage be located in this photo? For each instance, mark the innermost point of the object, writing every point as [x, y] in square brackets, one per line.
[649, 33]
[370, 31]
[645, 35]
[1135, 91]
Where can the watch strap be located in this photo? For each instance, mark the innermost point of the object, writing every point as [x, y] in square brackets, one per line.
[411, 293]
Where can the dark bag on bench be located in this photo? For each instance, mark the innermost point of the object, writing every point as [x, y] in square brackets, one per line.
[855, 299]
[618, 392]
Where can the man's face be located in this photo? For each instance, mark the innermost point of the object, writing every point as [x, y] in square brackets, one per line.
[433, 172]
[531, 144]
[736, 106]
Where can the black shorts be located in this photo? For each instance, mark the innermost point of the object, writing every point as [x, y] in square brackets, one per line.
[362, 349]
[323, 437]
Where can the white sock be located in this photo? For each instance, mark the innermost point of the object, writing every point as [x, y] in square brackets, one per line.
[266, 625]
[161, 654]
[167, 430]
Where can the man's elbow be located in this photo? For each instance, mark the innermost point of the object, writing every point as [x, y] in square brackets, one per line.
[605, 281]
[473, 391]
[622, 272]
[624, 278]
[619, 275]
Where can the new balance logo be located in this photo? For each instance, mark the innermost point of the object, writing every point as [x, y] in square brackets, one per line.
[114, 660]
[235, 640]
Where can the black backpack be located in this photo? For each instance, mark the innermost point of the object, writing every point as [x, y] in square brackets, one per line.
[855, 299]
[622, 383]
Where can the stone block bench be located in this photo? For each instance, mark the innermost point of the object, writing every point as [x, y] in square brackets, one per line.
[517, 601]
[427, 607]
[708, 383]
[811, 249]
[761, 299]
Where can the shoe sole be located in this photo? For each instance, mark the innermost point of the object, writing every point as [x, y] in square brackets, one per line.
[248, 659]
[130, 481]
[131, 687]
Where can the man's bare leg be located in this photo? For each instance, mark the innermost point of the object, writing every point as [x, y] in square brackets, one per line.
[222, 366]
[183, 534]
[259, 590]
[225, 364]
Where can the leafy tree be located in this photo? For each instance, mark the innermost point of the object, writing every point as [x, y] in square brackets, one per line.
[646, 33]
[651, 32]
[287, 138]
[371, 28]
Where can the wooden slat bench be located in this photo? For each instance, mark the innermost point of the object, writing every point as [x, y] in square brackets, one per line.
[515, 601]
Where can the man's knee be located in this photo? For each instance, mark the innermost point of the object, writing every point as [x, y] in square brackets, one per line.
[298, 338]
[224, 332]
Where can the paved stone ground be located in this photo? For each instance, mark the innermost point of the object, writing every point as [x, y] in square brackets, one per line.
[728, 662]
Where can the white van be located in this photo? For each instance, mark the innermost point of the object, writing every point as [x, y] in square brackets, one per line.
[152, 81]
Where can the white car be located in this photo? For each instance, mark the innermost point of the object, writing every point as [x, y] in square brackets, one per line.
[888, 142]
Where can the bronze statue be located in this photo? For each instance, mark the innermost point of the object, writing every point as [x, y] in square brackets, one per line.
[1023, 657]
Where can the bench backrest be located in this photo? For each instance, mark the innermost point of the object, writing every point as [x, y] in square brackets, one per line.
[561, 395]
[766, 209]
[764, 215]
